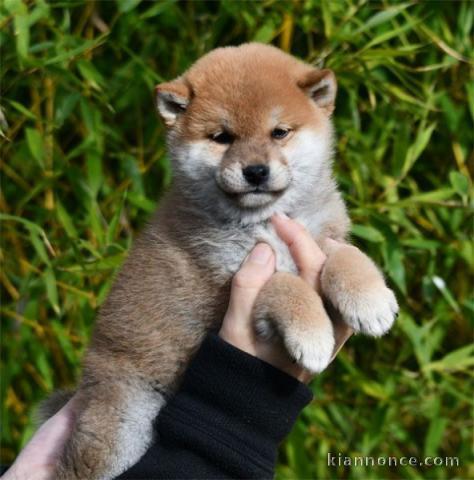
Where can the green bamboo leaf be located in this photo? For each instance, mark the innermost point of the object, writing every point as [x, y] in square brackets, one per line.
[96, 222]
[384, 53]
[37, 235]
[466, 250]
[41, 10]
[109, 263]
[442, 287]
[71, 54]
[414, 333]
[382, 17]
[402, 95]
[158, 8]
[91, 74]
[389, 34]
[457, 360]
[428, 197]
[416, 149]
[91, 118]
[367, 233]
[459, 182]
[434, 436]
[421, 243]
[395, 266]
[65, 220]
[22, 31]
[374, 389]
[265, 33]
[36, 145]
[141, 202]
[114, 224]
[327, 18]
[95, 174]
[44, 367]
[89, 247]
[63, 338]
[65, 107]
[39, 247]
[105, 289]
[27, 113]
[125, 6]
[296, 452]
[27, 223]
[51, 289]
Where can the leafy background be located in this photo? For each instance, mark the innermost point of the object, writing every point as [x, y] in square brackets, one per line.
[83, 165]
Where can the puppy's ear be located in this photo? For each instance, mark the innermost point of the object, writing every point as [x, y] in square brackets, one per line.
[321, 87]
[172, 99]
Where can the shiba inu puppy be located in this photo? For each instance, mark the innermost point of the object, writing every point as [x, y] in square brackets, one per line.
[250, 135]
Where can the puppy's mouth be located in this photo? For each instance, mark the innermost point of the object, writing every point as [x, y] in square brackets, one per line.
[253, 193]
[256, 198]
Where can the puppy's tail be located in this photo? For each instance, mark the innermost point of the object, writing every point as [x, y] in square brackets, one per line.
[51, 405]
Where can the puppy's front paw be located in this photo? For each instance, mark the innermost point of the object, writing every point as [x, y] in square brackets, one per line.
[312, 349]
[369, 310]
[288, 308]
[356, 288]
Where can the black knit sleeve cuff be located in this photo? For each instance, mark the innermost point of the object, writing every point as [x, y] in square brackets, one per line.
[244, 403]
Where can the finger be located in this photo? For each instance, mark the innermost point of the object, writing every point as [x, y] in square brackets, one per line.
[256, 270]
[42, 451]
[308, 257]
[342, 333]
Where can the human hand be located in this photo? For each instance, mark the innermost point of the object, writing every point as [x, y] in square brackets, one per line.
[237, 327]
[39, 457]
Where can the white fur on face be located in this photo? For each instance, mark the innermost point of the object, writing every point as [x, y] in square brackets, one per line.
[196, 159]
[308, 155]
[307, 151]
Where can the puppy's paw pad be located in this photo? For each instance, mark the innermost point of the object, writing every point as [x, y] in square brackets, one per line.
[372, 312]
[313, 349]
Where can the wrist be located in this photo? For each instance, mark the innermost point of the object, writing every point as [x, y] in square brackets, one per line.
[268, 351]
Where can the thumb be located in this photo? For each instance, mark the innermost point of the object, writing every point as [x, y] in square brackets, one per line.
[256, 270]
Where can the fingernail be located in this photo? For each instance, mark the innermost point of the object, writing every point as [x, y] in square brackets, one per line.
[261, 254]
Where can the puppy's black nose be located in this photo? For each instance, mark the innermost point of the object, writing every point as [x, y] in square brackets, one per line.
[256, 174]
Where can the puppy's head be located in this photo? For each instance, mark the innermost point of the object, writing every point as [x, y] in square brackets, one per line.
[248, 130]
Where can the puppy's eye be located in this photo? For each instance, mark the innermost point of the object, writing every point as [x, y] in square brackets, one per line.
[224, 138]
[279, 133]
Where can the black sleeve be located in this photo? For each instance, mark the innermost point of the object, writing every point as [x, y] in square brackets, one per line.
[226, 421]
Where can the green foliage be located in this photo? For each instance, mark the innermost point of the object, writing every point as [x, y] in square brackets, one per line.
[84, 163]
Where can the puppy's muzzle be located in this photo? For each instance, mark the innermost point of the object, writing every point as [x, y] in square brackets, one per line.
[272, 178]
